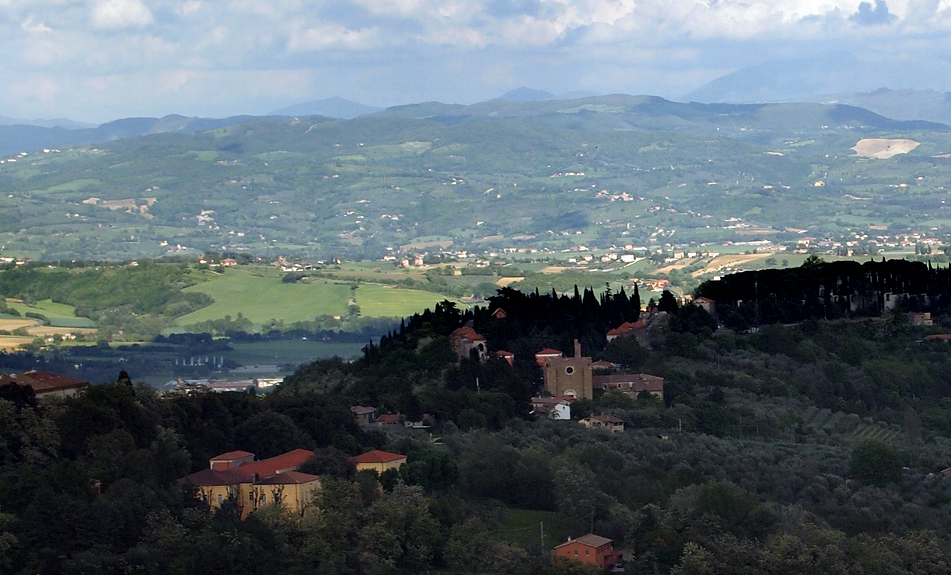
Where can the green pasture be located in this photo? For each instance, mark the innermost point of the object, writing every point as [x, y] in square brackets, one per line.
[390, 301]
[59, 314]
[260, 298]
[264, 298]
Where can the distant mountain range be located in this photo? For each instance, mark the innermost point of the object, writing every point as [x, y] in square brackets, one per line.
[330, 107]
[881, 109]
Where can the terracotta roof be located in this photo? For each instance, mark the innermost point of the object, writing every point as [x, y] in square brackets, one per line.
[549, 351]
[289, 478]
[231, 456]
[605, 418]
[390, 418]
[361, 410]
[46, 382]
[377, 456]
[630, 381]
[249, 472]
[214, 477]
[503, 353]
[590, 540]
[280, 464]
[468, 333]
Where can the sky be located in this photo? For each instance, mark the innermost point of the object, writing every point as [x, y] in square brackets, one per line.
[98, 60]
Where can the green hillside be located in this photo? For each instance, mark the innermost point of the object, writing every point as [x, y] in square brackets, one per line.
[604, 171]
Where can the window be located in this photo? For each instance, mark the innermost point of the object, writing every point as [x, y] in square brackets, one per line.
[220, 499]
[576, 552]
[251, 496]
[586, 552]
[569, 370]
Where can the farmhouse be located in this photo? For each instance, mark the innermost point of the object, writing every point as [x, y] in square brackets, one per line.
[608, 422]
[631, 384]
[591, 549]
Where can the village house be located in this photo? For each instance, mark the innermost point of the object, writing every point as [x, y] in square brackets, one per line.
[552, 407]
[508, 356]
[631, 384]
[46, 385]
[378, 461]
[390, 419]
[253, 484]
[363, 415]
[546, 354]
[464, 340]
[591, 549]
[608, 422]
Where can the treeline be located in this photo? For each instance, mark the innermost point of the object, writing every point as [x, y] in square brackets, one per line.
[828, 290]
[137, 301]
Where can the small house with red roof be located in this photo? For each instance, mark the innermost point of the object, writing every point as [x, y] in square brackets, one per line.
[465, 339]
[546, 354]
[625, 329]
[591, 549]
[378, 461]
[506, 355]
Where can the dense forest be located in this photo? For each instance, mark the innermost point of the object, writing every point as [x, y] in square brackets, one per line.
[814, 447]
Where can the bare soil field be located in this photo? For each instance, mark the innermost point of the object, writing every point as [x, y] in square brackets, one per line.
[730, 260]
[11, 324]
[9, 343]
[679, 264]
[883, 148]
[502, 282]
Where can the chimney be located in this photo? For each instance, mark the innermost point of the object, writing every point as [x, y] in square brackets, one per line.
[577, 348]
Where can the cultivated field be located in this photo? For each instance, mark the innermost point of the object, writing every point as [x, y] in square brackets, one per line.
[730, 260]
[883, 148]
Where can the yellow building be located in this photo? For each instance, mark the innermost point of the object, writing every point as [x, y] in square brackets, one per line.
[253, 484]
[378, 461]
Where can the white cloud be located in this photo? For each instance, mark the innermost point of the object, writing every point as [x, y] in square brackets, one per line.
[29, 26]
[108, 14]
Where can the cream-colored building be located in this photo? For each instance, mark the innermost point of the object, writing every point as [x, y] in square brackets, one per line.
[253, 484]
[378, 461]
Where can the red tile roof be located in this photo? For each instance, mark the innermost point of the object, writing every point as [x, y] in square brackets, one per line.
[252, 471]
[231, 456]
[377, 456]
[590, 539]
[46, 382]
[288, 478]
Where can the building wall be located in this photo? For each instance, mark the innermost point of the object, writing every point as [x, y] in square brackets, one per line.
[569, 376]
[381, 467]
[602, 556]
